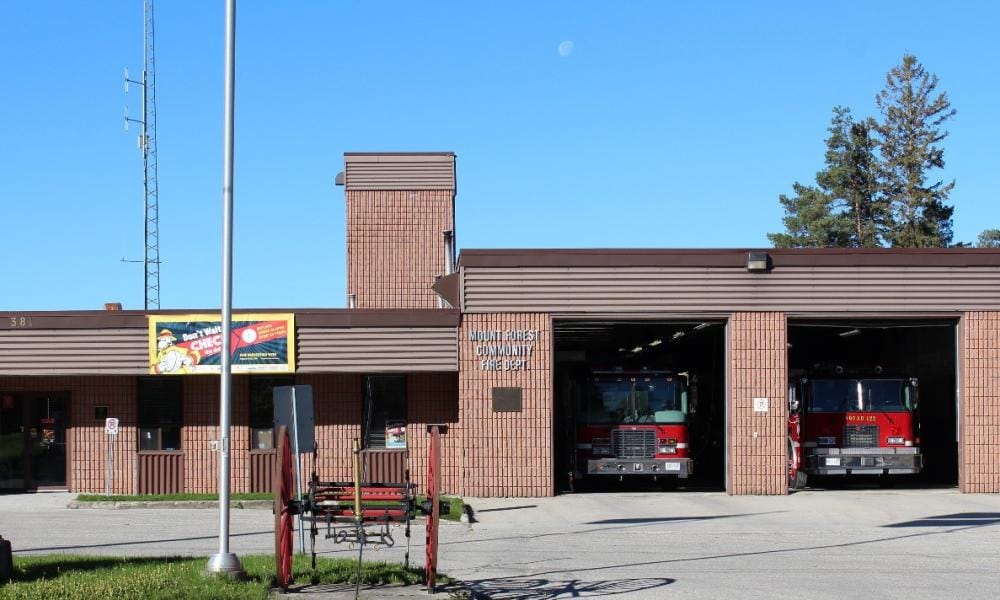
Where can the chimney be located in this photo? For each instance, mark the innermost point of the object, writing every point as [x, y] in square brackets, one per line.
[113, 306]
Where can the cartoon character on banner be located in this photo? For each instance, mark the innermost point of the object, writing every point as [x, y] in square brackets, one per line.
[171, 358]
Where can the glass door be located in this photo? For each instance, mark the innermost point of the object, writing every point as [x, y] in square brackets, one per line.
[47, 423]
[13, 463]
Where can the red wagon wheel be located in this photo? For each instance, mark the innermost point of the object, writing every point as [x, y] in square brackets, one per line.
[283, 518]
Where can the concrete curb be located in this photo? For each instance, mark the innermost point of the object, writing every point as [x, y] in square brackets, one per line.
[239, 504]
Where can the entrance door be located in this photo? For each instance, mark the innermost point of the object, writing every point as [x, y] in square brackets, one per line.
[13, 464]
[33, 441]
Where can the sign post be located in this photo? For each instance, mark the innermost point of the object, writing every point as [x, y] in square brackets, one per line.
[293, 408]
[110, 428]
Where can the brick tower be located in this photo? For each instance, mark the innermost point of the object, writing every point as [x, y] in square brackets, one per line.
[400, 220]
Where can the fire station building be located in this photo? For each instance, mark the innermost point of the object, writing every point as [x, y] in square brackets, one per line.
[495, 344]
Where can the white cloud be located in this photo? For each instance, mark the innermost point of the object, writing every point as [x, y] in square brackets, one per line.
[566, 48]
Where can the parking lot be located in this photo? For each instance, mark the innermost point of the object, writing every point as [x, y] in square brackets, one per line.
[831, 544]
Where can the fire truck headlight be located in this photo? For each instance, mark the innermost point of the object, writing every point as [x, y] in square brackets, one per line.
[826, 441]
[896, 440]
[668, 449]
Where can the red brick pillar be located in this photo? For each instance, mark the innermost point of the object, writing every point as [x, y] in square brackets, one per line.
[757, 430]
[979, 372]
[507, 453]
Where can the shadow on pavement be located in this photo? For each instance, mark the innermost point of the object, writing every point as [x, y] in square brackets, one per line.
[528, 588]
[954, 520]
[618, 524]
[488, 510]
[138, 543]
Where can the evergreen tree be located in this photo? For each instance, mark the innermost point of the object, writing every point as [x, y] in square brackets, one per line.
[989, 239]
[909, 137]
[842, 210]
[810, 220]
[851, 176]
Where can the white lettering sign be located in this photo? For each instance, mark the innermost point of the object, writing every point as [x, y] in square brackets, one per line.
[503, 349]
[111, 426]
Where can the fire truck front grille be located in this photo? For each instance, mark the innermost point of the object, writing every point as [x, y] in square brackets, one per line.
[633, 444]
[861, 436]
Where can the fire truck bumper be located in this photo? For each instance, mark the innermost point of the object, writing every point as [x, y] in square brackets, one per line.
[864, 461]
[681, 467]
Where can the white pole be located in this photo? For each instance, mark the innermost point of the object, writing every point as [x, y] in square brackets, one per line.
[225, 561]
[298, 475]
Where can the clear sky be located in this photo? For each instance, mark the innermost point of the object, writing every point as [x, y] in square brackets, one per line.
[576, 124]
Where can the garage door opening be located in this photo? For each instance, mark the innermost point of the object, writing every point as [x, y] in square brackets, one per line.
[876, 403]
[639, 405]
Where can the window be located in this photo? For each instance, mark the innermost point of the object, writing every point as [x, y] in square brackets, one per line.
[160, 413]
[384, 424]
[262, 410]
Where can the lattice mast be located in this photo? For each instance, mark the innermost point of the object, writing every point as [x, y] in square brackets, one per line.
[147, 145]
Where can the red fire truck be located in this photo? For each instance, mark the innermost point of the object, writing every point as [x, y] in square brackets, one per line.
[633, 423]
[852, 423]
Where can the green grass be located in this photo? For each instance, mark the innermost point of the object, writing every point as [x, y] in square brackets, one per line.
[156, 578]
[169, 497]
[455, 507]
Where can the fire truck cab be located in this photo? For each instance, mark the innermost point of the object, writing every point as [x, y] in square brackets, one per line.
[634, 423]
[852, 423]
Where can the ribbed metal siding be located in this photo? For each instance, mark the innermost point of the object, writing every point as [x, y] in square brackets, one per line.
[377, 349]
[384, 466]
[399, 172]
[73, 352]
[161, 472]
[262, 464]
[790, 289]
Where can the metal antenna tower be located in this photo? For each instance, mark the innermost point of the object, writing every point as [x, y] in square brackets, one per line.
[147, 145]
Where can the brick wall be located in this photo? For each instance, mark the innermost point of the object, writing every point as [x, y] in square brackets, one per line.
[87, 443]
[758, 369]
[979, 450]
[508, 453]
[395, 246]
[433, 398]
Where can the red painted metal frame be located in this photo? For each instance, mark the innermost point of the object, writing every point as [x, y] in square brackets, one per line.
[434, 495]
[284, 521]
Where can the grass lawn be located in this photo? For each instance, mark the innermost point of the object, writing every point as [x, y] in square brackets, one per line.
[169, 497]
[140, 578]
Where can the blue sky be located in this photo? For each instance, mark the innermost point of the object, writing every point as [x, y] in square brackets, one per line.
[669, 124]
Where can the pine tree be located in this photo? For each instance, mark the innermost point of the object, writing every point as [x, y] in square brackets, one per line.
[843, 209]
[851, 176]
[909, 137]
[810, 220]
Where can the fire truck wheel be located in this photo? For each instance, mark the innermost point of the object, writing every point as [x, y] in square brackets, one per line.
[798, 481]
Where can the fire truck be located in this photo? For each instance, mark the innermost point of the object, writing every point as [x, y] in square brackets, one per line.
[633, 423]
[852, 423]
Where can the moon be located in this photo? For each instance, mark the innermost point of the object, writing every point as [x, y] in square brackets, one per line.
[566, 48]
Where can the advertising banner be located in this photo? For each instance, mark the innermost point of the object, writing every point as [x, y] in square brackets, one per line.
[192, 344]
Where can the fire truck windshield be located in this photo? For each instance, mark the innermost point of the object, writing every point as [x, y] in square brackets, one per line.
[858, 395]
[644, 400]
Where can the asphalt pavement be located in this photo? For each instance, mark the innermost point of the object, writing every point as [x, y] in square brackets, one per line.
[817, 544]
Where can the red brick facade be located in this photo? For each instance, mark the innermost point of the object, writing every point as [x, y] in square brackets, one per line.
[506, 453]
[979, 442]
[757, 440]
[395, 246]
[432, 398]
